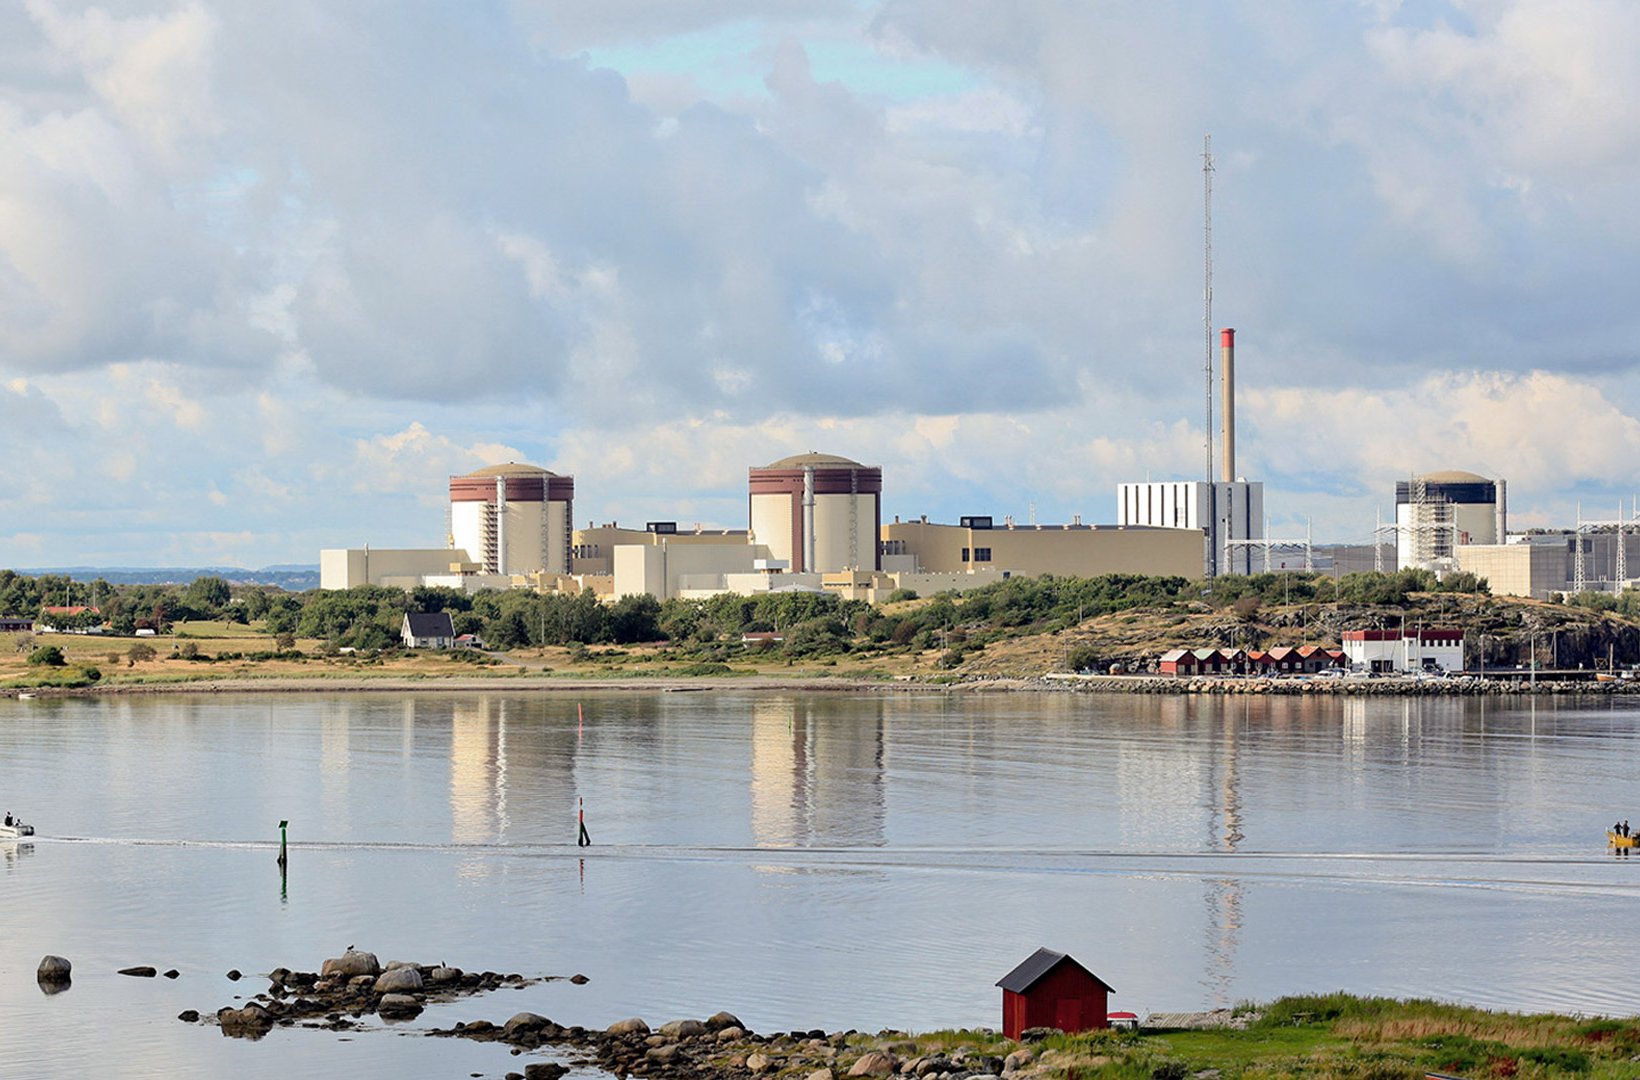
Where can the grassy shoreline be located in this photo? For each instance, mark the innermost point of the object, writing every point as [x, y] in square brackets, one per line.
[1340, 1037]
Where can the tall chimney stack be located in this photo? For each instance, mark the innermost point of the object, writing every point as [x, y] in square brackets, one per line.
[1227, 364]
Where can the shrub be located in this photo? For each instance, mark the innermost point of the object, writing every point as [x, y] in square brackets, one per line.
[139, 652]
[1082, 658]
[901, 594]
[47, 656]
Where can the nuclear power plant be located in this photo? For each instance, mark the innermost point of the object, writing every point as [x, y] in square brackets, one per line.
[814, 523]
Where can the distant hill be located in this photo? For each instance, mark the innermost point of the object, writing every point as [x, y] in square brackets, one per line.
[292, 577]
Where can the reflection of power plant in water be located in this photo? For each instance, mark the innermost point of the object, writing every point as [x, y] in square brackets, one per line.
[478, 769]
[1224, 823]
[817, 774]
[496, 742]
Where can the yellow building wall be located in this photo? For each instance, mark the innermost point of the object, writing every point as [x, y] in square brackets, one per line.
[1534, 570]
[1076, 550]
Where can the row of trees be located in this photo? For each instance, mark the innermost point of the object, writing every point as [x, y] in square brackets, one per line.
[369, 617]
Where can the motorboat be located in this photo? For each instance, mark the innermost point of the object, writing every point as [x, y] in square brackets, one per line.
[1615, 840]
[16, 830]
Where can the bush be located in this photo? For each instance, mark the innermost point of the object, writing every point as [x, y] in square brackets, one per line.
[139, 652]
[901, 594]
[47, 656]
[1083, 658]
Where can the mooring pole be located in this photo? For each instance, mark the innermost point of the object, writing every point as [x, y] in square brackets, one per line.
[582, 840]
[282, 856]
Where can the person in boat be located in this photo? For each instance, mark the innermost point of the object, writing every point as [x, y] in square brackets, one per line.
[8, 817]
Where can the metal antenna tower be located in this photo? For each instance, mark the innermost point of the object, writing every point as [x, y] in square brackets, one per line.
[1207, 293]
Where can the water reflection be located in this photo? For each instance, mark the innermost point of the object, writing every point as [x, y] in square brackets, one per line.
[12, 851]
[1224, 895]
[818, 775]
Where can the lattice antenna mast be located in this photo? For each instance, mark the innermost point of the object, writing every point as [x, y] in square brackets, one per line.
[1207, 293]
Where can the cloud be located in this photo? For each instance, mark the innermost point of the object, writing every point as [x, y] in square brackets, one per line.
[314, 259]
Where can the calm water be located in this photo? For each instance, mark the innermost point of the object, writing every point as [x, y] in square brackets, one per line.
[804, 861]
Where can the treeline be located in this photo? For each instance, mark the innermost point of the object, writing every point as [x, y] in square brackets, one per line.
[370, 617]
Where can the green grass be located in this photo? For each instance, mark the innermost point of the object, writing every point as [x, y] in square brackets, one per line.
[1343, 1037]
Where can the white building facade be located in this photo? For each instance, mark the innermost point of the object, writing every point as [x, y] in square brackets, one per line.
[1226, 510]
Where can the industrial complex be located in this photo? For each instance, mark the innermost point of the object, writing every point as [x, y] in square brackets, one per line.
[815, 523]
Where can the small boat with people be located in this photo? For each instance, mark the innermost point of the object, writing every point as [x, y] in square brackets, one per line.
[1619, 840]
[14, 829]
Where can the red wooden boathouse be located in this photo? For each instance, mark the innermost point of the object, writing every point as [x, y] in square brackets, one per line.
[1051, 990]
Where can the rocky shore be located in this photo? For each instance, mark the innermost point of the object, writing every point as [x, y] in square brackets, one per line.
[1056, 682]
[1341, 687]
[349, 989]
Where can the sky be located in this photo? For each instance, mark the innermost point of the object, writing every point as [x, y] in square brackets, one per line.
[271, 273]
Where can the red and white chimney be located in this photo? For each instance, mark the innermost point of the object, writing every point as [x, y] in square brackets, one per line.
[1227, 365]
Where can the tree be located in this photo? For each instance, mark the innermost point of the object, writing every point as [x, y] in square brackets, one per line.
[208, 594]
[140, 652]
[47, 656]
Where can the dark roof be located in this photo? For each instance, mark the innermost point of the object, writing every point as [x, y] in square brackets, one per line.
[1039, 964]
[435, 625]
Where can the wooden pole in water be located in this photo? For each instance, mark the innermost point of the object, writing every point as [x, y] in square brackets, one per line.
[582, 840]
[580, 721]
[282, 825]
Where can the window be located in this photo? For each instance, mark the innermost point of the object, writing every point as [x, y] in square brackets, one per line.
[965, 555]
[982, 554]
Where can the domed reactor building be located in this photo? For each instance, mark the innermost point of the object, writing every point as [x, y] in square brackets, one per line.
[513, 519]
[818, 513]
[1440, 511]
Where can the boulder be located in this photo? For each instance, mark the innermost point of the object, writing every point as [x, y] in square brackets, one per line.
[634, 1026]
[730, 1034]
[234, 975]
[398, 1005]
[139, 972]
[53, 969]
[545, 1070]
[873, 1063]
[820, 1074]
[398, 980]
[522, 1022]
[441, 975]
[188, 1016]
[720, 1020]
[351, 963]
[393, 965]
[578, 979]
[662, 1055]
[173, 973]
[758, 1063]
[683, 1029]
[1018, 1059]
[251, 1022]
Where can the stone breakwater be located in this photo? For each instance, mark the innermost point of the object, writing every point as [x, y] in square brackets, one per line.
[351, 987]
[1347, 687]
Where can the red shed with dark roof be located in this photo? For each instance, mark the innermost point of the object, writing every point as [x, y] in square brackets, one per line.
[1051, 990]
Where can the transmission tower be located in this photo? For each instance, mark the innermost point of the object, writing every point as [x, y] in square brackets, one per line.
[1620, 527]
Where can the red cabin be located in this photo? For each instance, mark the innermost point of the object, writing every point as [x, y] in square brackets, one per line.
[1050, 990]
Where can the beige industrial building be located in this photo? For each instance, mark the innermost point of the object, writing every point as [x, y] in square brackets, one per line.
[1073, 550]
[513, 519]
[593, 550]
[1535, 570]
[817, 513]
[404, 568]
